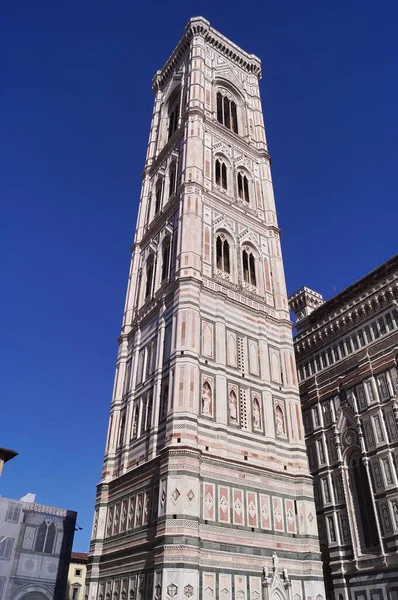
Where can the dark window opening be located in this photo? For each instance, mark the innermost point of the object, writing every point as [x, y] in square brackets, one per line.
[221, 174]
[243, 187]
[158, 195]
[172, 179]
[166, 258]
[173, 119]
[249, 268]
[364, 505]
[222, 253]
[227, 113]
[149, 276]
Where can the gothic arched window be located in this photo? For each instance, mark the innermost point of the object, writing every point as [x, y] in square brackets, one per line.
[45, 538]
[221, 174]
[172, 178]
[222, 254]
[249, 267]
[51, 533]
[136, 414]
[166, 248]
[149, 275]
[174, 113]
[41, 537]
[158, 194]
[243, 187]
[363, 501]
[226, 112]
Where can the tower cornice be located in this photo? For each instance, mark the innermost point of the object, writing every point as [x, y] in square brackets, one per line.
[198, 26]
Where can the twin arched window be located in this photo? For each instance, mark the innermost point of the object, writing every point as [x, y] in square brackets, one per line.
[249, 267]
[172, 178]
[223, 260]
[243, 187]
[221, 174]
[226, 112]
[45, 538]
[222, 254]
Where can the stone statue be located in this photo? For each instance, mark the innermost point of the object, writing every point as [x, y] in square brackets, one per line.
[206, 400]
[256, 415]
[275, 561]
[280, 426]
[232, 407]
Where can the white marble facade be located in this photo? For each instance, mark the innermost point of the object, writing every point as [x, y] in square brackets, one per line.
[205, 471]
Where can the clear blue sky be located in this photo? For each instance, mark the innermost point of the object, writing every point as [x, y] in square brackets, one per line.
[75, 108]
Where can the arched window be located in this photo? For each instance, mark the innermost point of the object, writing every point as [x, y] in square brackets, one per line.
[221, 174]
[45, 538]
[174, 113]
[149, 275]
[249, 267]
[148, 412]
[243, 187]
[226, 112]
[166, 248]
[158, 195]
[363, 501]
[51, 533]
[222, 254]
[41, 537]
[122, 427]
[172, 178]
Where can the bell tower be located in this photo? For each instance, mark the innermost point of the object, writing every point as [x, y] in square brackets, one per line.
[205, 490]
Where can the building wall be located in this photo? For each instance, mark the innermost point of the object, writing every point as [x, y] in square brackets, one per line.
[205, 472]
[76, 578]
[347, 357]
[35, 549]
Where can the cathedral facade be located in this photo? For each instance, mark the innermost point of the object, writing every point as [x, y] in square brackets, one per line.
[347, 358]
[205, 490]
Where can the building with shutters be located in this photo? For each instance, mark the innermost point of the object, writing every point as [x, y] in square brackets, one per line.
[205, 490]
[347, 359]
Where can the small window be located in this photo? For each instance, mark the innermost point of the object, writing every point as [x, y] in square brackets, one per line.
[249, 269]
[243, 187]
[226, 112]
[78, 572]
[221, 174]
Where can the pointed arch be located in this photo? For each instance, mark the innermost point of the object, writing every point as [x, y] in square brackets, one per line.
[41, 537]
[172, 177]
[158, 194]
[363, 504]
[149, 270]
[173, 111]
[166, 251]
[50, 540]
[233, 406]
